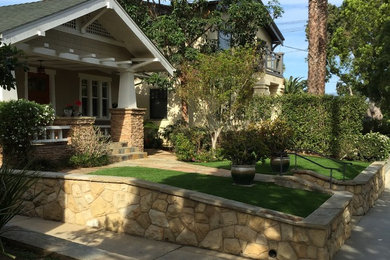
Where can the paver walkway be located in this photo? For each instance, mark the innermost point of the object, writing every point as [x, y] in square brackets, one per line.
[159, 159]
[370, 238]
[108, 245]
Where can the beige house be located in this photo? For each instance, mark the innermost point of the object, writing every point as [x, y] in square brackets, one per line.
[164, 107]
[82, 50]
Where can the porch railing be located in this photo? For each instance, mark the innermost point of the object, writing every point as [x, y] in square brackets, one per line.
[52, 134]
[105, 129]
[274, 63]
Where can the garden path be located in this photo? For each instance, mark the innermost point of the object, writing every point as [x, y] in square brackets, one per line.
[158, 159]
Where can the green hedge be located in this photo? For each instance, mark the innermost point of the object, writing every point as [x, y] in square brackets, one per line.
[321, 124]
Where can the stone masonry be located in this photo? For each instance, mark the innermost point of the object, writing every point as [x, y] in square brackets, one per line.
[162, 212]
[127, 126]
[366, 187]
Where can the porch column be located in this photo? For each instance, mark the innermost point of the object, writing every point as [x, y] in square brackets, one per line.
[127, 121]
[126, 95]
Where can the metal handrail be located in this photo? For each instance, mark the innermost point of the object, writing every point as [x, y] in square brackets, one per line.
[331, 169]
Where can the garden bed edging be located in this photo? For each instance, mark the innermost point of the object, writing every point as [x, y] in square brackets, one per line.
[366, 187]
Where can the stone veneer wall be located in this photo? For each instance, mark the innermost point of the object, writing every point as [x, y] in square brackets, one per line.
[366, 187]
[162, 212]
[127, 125]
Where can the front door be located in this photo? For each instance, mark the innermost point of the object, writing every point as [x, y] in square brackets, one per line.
[38, 88]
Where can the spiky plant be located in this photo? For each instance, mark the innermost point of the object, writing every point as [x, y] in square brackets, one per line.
[13, 185]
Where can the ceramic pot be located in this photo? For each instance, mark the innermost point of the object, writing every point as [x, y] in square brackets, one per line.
[243, 174]
[278, 162]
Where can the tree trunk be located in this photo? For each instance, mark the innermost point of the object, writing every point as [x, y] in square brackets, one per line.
[184, 111]
[318, 14]
[214, 139]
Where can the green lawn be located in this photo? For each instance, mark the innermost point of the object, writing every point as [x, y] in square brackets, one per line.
[351, 170]
[266, 195]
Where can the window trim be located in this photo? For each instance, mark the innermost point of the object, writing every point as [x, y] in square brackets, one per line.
[100, 80]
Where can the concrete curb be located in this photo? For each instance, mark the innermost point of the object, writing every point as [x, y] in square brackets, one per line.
[57, 247]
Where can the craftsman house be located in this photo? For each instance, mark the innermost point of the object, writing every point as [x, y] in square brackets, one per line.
[163, 107]
[84, 54]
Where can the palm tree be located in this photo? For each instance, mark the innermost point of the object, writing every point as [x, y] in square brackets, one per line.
[294, 85]
[318, 13]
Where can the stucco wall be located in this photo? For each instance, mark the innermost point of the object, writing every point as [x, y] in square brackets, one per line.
[186, 217]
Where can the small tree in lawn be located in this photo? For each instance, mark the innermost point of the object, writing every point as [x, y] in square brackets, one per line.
[219, 86]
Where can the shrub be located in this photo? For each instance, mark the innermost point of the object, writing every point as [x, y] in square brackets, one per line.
[277, 136]
[320, 123]
[90, 148]
[13, 186]
[373, 147]
[152, 138]
[19, 121]
[244, 147]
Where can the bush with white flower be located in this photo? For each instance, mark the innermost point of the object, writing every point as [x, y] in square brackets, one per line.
[20, 120]
[374, 147]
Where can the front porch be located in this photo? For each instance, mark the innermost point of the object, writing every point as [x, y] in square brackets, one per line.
[83, 57]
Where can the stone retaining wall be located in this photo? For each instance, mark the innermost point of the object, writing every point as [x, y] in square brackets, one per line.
[366, 187]
[162, 212]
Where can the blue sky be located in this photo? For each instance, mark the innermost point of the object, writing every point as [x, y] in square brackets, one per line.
[292, 25]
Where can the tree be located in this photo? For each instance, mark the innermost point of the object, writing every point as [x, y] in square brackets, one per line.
[317, 46]
[294, 85]
[219, 86]
[378, 87]
[9, 61]
[356, 52]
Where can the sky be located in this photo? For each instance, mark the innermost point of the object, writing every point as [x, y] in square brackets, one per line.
[292, 25]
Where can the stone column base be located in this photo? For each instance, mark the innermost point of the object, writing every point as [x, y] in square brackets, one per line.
[127, 125]
[77, 124]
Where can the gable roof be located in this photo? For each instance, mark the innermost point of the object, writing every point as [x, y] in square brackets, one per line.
[28, 20]
[13, 16]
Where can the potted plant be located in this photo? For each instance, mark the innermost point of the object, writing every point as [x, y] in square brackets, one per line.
[70, 108]
[277, 135]
[243, 148]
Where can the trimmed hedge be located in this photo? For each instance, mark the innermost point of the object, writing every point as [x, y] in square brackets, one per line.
[321, 124]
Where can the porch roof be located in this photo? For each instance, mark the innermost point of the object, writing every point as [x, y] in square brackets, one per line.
[31, 20]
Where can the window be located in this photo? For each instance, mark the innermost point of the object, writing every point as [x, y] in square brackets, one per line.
[224, 40]
[95, 96]
[158, 103]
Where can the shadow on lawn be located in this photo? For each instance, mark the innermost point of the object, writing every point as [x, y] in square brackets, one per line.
[267, 195]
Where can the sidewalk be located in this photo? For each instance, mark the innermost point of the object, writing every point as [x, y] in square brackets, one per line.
[84, 243]
[370, 238]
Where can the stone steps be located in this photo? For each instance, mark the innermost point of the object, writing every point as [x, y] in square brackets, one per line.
[129, 156]
[120, 151]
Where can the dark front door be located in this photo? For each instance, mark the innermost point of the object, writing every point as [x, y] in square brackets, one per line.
[38, 88]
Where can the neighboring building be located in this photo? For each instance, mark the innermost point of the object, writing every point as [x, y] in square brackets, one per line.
[164, 107]
[87, 50]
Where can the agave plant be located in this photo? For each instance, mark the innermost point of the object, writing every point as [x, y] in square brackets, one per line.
[13, 184]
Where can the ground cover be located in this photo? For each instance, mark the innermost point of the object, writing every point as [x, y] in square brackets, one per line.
[264, 168]
[266, 195]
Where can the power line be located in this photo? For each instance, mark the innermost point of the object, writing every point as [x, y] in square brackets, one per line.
[294, 48]
[292, 22]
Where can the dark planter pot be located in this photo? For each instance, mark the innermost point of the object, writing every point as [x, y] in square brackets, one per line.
[277, 162]
[243, 174]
